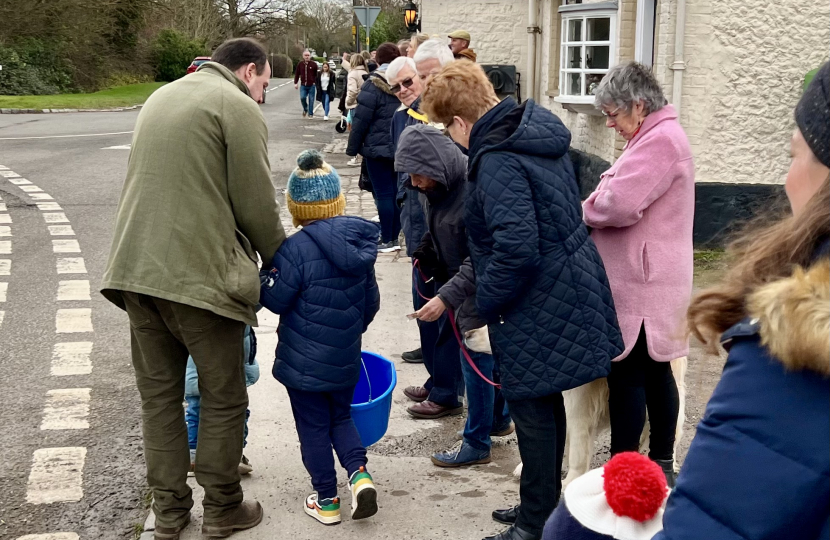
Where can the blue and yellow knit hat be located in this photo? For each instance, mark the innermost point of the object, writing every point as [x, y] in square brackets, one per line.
[314, 189]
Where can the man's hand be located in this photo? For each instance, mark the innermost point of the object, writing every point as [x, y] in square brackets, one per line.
[432, 311]
[296, 86]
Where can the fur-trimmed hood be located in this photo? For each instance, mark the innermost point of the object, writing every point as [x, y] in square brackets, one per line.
[379, 80]
[793, 315]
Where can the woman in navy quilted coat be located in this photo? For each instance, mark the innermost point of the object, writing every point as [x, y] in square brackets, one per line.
[540, 282]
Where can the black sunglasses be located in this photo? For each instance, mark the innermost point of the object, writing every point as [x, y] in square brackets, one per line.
[406, 83]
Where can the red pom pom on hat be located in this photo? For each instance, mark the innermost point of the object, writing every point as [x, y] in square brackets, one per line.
[635, 486]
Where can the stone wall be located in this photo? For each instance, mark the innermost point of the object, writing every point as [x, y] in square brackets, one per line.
[498, 28]
[746, 63]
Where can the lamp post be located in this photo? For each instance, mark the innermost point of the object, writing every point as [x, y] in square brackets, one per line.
[410, 16]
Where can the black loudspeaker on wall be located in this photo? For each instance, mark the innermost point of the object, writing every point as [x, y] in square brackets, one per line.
[503, 77]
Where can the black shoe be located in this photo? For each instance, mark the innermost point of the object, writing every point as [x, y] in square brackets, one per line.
[515, 533]
[668, 469]
[507, 516]
[413, 357]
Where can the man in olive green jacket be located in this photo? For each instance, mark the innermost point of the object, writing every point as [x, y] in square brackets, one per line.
[196, 208]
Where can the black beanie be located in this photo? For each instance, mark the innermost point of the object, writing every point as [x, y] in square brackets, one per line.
[813, 115]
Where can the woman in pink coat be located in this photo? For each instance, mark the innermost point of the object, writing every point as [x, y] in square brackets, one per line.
[642, 214]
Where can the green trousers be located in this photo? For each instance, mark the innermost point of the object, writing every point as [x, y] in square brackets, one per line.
[163, 333]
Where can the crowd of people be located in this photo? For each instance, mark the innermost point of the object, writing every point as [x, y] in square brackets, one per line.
[566, 292]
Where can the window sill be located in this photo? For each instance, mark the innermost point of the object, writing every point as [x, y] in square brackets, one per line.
[581, 105]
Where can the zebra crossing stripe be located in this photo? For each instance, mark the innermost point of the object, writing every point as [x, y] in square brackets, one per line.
[71, 358]
[56, 475]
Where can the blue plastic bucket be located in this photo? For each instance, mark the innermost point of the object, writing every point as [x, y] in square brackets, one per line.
[372, 399]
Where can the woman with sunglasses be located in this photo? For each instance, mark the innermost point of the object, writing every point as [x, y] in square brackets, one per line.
[642, 214]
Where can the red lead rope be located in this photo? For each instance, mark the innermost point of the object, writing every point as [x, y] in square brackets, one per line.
[451, 315]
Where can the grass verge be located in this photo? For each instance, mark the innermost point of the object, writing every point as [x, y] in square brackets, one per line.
[121, 96]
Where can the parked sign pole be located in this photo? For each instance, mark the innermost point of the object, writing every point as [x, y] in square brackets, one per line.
[366, 16]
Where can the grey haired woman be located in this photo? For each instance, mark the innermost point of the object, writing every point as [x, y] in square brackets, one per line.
[642, 214]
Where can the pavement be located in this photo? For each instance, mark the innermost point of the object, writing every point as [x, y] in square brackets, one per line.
[72, 453]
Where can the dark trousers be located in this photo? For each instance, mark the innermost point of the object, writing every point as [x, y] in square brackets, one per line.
[162, 334]
[446, 381]
[636, 384]
[324, 421]
[540, 428]
[385, 190]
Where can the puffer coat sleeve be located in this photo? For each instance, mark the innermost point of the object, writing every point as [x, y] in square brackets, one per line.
[284, 282]
[372, 300]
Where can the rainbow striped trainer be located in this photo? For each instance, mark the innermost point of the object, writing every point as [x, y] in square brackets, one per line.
[326, 511]
[364, 494]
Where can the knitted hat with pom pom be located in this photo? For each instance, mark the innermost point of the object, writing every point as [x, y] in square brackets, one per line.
[621, 501]
[314, 189]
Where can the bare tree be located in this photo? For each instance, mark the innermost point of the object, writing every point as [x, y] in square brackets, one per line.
[327, 23]
[252, 17]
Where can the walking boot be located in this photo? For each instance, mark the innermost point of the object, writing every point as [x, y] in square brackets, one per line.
[247, 516]
[170, 533]
[429, 410]
[413, 357]
[668, 469]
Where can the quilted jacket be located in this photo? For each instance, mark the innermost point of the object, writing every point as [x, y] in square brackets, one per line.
[540, 282]
[372, 120]
[323, 286]
[759, 465]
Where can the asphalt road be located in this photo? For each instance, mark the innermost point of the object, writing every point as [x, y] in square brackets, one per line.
[80, 160]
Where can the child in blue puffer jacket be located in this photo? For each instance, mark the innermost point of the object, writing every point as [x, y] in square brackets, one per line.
[194, 400]
[322, 284]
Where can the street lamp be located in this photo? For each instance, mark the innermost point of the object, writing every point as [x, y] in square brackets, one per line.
[410, 16]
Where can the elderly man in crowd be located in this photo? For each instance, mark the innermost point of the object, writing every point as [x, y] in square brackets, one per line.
[439, 395]
[195, 210]
[460, 45]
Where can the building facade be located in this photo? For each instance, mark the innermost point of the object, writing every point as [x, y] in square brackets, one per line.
[733, 69]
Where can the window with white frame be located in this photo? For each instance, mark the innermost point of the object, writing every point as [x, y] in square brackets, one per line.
[588, 48]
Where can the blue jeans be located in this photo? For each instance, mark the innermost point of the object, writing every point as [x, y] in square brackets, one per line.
[445, 383]
[324, 421]
[326, 103]
[486, 407]
[307, 94]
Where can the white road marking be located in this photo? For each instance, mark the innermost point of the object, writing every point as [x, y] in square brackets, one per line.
[66, 246]
[2, 314]
[48, 206]
[4, 288]
[66, 408]
[71, 358]
[5, 218]
[61, 230]
[5, 247]
[5, 267]
[31, 189]
[57, 475]
[41, 197]
[51, 536]
[121, 147]
[9, 174]
[72, 265]
[3, 168]
[5, 230]
[58, 217]
[73, 290]
[73, 321]
[64, 136]
[19, 181]
[3, 207]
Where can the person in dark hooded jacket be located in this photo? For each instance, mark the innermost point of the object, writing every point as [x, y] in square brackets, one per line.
[540, 283]
[322, 284]
[371, 121]
[438, 169]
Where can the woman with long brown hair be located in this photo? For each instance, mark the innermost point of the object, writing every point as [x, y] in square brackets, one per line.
[759, 465]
